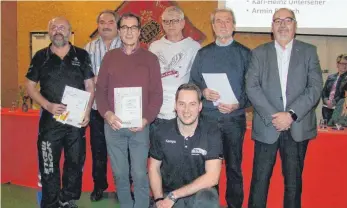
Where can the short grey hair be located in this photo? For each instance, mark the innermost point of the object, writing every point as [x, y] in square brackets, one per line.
[108, 11]
[223, 10]
[289, 10]
[173, 9]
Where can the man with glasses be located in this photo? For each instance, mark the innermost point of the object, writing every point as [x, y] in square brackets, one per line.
[332, 93]
[227, 56]
[108, 40]
[284, 83]
[129, 66]
[59, 65]
[176, 54]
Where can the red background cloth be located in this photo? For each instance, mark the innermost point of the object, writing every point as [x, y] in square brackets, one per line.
[324, 178]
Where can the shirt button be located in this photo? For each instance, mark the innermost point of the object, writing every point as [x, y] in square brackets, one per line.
[185, 146]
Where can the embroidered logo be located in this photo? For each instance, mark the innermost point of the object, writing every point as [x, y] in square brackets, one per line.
[76, 62]
[199, 151]
[170, 141]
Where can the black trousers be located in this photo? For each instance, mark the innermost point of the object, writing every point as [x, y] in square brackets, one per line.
[50, 143]
[292, 155]
[99, 150]
[327, 113]
[233, 130]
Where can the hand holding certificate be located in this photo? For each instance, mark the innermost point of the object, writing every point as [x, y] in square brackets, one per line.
[76, 102]
[128, 106]
[219, 82]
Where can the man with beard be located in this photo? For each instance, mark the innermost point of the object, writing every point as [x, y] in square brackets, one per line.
[176, 55]
[226, 56]
[129, 66]
[59, 65]
[186, 155]
[108, 40]
[284, 84]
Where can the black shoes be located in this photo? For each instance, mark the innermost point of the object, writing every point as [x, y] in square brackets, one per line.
[97, 194]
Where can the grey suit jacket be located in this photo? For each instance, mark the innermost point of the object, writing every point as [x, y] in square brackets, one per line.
[304, 87]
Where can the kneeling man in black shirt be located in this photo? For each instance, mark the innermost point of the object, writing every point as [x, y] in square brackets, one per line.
[186, 154]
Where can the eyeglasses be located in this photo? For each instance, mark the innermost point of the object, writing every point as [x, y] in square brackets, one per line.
[286, 21]
[172, 21]
[125, 28]
[343, 64]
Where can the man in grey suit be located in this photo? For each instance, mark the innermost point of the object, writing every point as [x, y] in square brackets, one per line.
[284, 84]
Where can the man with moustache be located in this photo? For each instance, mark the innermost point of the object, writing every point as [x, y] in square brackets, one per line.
[129, 66]
[176, 55]
[59, 65]
[186, 156]
[228, 56]
[108, 40]
[284, 84]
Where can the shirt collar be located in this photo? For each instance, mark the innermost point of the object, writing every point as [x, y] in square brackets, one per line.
[71, 52]
[218, 43]
[133, 51]
[197, 130]
[287, 47]
[116, 42]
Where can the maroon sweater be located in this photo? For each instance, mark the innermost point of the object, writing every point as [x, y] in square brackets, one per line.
[139, 69]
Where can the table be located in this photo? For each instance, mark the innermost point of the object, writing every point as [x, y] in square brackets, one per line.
[324, 177]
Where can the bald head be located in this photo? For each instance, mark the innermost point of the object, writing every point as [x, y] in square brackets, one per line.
[59, 30]
[59, 20]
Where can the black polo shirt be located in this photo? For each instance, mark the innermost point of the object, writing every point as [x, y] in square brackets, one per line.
[183, 159]
[54, 73]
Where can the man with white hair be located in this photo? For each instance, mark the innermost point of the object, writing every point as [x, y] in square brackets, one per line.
[226, 56]
[176, 54]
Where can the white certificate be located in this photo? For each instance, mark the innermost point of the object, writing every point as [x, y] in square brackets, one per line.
[128, 106]
[219, 82]
[76, 102]
[168, 101]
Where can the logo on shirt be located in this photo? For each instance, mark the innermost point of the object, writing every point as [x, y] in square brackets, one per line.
[170, 141]
[76, 62]
[199, 151]
[169, 67]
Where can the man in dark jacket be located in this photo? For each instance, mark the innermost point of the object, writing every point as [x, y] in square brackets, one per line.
[226, 56]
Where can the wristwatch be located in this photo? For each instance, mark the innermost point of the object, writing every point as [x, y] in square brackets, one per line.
[293, 115]
[172, 197]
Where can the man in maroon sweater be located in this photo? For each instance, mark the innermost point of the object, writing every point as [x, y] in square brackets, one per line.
[129, 66]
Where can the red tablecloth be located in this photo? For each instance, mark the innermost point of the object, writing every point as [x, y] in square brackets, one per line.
[325, 172]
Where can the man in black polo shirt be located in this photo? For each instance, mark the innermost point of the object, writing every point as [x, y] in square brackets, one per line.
[185, 153]
[60, 64]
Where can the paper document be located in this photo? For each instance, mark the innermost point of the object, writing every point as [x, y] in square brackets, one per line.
[219, 82]
[128, 106]
[76, 102]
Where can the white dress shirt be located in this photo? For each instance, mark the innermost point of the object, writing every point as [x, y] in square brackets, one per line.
[283, 59]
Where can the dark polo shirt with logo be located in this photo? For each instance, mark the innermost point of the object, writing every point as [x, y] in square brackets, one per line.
[54, 73]
[183, 159]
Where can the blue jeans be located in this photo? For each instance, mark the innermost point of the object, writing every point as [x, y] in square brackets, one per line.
[118, 143]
